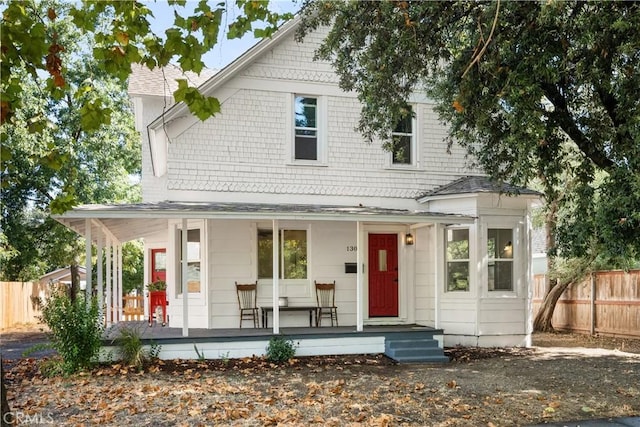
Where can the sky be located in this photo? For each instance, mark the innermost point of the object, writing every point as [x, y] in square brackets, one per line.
[226, 50]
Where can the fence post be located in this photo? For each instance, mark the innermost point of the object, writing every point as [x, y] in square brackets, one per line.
[593, 304]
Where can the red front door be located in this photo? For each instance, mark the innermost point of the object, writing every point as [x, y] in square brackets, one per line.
[158, 264]
[383, 275]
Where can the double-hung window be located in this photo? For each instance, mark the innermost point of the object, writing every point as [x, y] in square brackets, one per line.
[403, 140]
[194, 255]
[500, 254]
[293, 254]
[457, 250]
[306, 128]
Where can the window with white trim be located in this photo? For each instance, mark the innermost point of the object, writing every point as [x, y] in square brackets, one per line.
[457, 250]
[403, 140]
[500, 255]
[292, 251]
[194, 261]
[306, 128]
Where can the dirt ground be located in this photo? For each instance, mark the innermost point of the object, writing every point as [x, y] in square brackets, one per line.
[565, 377]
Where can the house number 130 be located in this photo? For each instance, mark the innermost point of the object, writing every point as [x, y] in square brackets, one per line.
[352, 248]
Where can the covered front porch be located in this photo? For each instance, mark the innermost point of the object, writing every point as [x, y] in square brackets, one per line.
[404, 343]
[229, 241]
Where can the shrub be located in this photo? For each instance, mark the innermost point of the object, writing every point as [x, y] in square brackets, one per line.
[132, 348]
[280, 349]
[75, 330]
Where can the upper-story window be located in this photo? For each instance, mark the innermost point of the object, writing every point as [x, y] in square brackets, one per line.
[306, 128]
[500, 254]
[403, 144]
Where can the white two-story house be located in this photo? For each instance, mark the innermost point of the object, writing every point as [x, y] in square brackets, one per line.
[280, 181]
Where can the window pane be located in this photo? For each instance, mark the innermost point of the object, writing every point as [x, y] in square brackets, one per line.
[265, 254]
[402, 150]
[501, 276]
[402, 137]
[500, 253]
[404, 125]
[382, 260]
[160, 261]
[500, 243]
[305, 111]
[458, 244]
[193, 261]
[306, 147]
[306, 128]
[458, 259]
[294, 254]
[458, 276]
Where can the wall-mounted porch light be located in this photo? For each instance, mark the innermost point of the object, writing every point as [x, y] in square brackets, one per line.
[508, 250]
[408, 239]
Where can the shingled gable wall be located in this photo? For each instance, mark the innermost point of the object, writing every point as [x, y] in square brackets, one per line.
[242, 153]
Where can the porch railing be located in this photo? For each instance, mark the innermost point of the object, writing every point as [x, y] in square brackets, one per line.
[132, 308]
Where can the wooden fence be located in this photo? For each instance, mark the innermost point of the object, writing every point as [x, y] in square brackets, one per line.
[607, 303]
[18, 302]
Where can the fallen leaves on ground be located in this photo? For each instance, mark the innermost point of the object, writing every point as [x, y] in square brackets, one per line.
[480, 387]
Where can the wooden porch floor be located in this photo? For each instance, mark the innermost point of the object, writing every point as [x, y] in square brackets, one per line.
[160, 334]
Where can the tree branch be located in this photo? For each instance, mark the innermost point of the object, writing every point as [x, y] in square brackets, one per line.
[565, 121]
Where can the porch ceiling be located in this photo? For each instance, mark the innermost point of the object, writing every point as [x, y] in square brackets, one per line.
[131, 221]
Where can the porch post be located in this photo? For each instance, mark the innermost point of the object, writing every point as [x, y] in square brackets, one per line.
[100, 278]
[359, 314]
[88, 272]
[114, 284]
[436, 273]
[108, 281]
[276, 277]
[147, 279]
[185, 288]
[120, 313]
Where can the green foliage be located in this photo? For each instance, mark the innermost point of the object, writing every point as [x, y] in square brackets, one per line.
[132, 348]
[76, 330]
[132, 266]
[120, 33]
[158, 285]
[54, 163]
[531, 90]
[280, 349]
[198, 354]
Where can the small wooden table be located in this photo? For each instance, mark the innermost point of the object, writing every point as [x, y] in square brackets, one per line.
[265, 310]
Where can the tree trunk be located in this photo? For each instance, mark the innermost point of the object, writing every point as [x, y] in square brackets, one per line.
[550, 241]
[542, 322]
[553, 291]
[75, 281]
[7, 416]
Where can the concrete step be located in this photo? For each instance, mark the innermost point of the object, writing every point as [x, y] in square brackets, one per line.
[420, 343]
[415, 351]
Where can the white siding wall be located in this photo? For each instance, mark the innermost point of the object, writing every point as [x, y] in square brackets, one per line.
[232, 257]
[425, 276]
[243, 150]
[147, 109]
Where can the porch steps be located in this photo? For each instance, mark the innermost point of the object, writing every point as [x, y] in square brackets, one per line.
[414, 350]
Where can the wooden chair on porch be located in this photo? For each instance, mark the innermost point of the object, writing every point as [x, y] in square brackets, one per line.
[326, 298]
[248, 302]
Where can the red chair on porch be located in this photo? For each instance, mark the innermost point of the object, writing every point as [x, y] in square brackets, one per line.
[248, 302]
[326, 298]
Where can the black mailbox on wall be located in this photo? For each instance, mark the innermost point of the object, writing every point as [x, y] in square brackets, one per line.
[350, 267]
